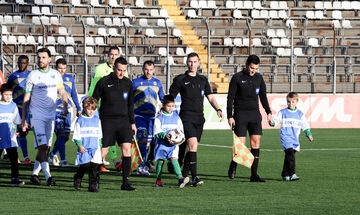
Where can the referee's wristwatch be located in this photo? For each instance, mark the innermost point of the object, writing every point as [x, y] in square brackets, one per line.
[217, 110]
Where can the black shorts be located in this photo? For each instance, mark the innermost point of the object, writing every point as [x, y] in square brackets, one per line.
[118, 129]
[247, 121]
[193, 125]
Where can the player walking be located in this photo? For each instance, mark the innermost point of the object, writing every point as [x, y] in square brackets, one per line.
[63, 124]
[147, 91]
[17, 82]
[42, 87]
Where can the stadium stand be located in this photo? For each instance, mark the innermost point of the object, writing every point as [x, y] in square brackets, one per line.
[318, 32]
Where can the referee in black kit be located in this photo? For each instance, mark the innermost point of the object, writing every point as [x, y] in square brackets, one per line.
[245, 89]
[117, 114]
[192, 87]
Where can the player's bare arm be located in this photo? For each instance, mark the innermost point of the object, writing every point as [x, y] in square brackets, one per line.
[24, 124]
[215, 105]
[64, 99]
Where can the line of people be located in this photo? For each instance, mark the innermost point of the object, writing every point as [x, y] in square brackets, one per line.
[127, 109]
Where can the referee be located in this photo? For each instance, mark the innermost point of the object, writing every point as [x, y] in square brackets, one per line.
[245, 89]
[193, 87]
[117, 114]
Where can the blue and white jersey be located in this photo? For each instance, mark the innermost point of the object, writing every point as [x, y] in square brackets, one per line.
[70, 89]
[146, 95]
[165, 122]
[88, 131]
[17, 81]
[9, 115]
[292, 121]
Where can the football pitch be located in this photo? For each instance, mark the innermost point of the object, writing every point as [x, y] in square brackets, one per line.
[328, 169]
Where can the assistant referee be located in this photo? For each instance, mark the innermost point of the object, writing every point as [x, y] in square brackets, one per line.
[117, 114]
[245, 89]
[193, 87]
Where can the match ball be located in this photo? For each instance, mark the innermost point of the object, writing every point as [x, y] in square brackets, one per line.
[177, 137]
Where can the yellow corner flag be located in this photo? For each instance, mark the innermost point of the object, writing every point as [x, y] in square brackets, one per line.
[241, 154]
[136, 158]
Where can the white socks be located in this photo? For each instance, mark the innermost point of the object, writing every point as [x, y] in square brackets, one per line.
[37, 168]
[46, 169]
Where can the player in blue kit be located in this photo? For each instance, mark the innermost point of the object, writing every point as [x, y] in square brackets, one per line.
[147, 91]
[9, 115]
[165, 122]
[87, 137]
[63, 124]
[17, 82]
[292, 121]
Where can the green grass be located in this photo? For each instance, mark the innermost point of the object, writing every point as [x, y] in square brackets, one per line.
[329, 183]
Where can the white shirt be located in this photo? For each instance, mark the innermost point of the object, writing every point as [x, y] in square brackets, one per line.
[43, 87]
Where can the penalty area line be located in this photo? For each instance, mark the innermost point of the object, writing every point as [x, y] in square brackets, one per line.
[279, 150]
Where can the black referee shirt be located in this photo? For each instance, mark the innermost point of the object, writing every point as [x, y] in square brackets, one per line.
[244, 93]
[192, 90]
[116, 97]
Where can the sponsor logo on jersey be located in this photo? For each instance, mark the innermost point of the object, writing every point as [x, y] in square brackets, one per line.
[125, 95]
[110, 85]
[186, 83]
[257, 91]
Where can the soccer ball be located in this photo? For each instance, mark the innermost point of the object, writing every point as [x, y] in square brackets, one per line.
[177, 137]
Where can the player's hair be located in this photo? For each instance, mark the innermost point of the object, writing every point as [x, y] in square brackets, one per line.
[44, 50]
[292, 95]
[252, 59]
[21, 57]
[148, 62]
[90, 102]
[192, 54]
[168, 99]
[60, 61]
[5, 87]
[120, 60]
[114, 48]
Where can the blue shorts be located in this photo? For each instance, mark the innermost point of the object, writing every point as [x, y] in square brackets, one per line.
[144, 126]
[62, 124]
[165, 151]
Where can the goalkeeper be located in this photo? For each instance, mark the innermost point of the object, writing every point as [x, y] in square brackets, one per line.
[165, 122]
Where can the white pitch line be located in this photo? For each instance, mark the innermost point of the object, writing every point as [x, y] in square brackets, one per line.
[277, 150]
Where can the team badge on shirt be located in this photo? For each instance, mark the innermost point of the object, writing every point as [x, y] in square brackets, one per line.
[125, 95]
[154, 83]
[257, 91]
[202, 92]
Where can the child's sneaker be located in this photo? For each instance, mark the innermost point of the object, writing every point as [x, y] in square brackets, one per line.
[158, 183]
[64, 163]
[294, 177]
[50, 182]
[34, 179]
[55, 160]
[183, 181]
[27, 161]
[77, 183]
[286, 178]
[103, 168]
[106, 163]
[197, 182]
[15, 182]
